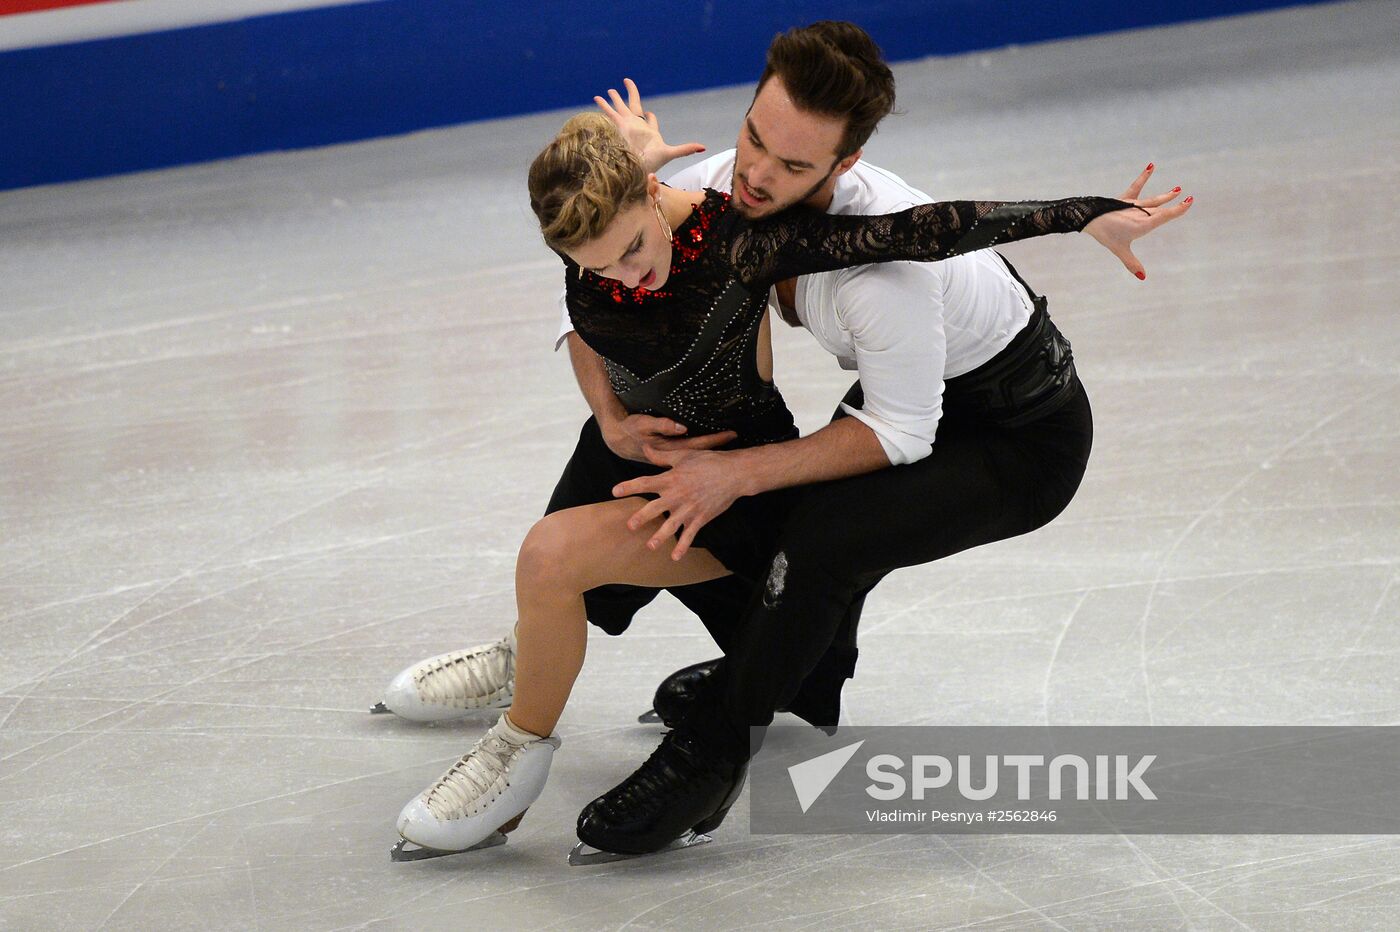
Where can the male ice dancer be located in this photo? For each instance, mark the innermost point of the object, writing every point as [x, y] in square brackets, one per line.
[967, 425]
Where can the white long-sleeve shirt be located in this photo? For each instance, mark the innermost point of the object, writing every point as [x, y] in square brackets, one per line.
[904, 327]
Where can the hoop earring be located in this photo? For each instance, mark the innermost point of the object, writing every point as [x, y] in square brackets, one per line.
[661, 219]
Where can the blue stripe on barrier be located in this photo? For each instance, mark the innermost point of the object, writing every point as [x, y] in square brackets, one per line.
[326, 75]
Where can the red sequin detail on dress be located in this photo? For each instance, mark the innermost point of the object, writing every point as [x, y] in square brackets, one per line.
[687, 245]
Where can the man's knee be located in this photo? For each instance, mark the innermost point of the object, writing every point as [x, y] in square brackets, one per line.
[817, 547]
[814, 577]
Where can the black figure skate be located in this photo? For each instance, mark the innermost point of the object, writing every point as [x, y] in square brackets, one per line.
[674, 800]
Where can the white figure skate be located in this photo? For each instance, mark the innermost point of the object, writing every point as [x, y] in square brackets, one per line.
[455, 684]
[480, 799]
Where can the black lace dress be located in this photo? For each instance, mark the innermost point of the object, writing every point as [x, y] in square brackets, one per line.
[689, 350]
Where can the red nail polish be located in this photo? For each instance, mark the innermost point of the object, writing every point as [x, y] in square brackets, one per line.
[1189, 199]
[1150, 166]
[1142, 276]
[1176, 190]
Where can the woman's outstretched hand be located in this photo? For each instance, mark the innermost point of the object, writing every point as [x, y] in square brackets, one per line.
[641, 129]
[1117, 230]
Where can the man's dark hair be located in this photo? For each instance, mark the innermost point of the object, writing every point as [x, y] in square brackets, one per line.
[834, 68]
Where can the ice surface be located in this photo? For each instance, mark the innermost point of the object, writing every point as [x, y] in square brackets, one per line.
[270, 429]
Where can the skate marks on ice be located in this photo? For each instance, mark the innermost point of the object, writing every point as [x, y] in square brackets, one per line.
[247, 788]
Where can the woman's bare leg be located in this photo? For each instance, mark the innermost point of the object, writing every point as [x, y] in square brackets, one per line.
[564, 555]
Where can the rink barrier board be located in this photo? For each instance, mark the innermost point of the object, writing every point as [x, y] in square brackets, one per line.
[324, 75]
[13, 7]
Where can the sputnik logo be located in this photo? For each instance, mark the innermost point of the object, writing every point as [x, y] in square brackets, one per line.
[811, 777]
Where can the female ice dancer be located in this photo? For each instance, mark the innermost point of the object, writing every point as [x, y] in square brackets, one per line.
[670, 288]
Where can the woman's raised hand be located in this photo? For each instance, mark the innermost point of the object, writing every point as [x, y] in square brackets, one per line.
[641, 129]
[1117, 230]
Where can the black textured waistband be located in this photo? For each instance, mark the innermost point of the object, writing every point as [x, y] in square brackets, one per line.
[1032, 377]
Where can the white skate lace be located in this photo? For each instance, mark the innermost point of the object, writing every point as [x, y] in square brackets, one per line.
[458, 678]
[471, 782]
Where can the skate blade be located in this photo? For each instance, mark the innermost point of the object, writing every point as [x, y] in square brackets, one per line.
[380, 708]
[417, 853]
[649, 717]
[583, 855]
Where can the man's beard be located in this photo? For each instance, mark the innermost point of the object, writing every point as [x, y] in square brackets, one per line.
[773, 208]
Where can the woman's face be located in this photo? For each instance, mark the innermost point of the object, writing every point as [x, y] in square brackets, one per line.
[633, 249]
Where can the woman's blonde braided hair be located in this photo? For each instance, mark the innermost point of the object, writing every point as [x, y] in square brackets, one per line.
[583, 180]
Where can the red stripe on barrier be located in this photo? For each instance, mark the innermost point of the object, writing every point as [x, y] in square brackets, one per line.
[30, 6]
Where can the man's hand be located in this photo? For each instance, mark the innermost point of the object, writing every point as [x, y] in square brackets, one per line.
[1116, 231]
[696, 488]
[641, 129]
[630, 436]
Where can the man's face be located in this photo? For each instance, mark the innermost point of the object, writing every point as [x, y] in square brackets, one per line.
[785, 155]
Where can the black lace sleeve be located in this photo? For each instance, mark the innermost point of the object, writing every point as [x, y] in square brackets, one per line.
[801, 242]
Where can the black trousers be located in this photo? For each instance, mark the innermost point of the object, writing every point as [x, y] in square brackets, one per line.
[804, 559]
[981, 483]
